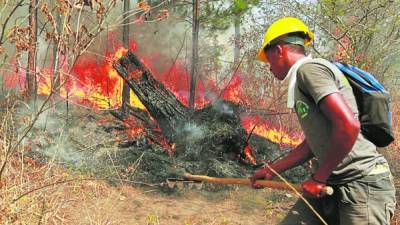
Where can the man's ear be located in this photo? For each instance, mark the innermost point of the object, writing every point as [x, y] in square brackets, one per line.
[279, 50]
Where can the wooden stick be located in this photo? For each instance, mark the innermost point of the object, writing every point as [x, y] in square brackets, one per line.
[244, 181]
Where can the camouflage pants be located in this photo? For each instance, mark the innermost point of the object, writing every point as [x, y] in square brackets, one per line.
[370, 200]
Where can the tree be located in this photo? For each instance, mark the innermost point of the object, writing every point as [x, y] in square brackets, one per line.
[364, 33]
[367, 33]
[195, 51]
[31, 69]
[239, 8]
[56, 55]
[217, 16]
[125, 40]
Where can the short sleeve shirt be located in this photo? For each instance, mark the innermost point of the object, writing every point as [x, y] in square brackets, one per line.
[316, 79]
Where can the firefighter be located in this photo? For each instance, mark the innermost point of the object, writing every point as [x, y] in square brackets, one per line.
[323, 100]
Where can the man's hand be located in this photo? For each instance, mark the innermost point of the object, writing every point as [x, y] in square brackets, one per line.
[264, 174]
[313, 188]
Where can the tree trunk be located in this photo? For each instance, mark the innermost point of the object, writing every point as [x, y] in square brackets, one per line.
[216, 128]
[195, 53]
[125, 40]
[55, 86]
[236, 50]
[31, 70]
[160, 102]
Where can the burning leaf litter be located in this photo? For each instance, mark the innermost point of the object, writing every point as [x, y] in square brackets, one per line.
[88, 145]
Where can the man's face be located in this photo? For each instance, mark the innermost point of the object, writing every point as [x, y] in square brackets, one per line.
[278, 61]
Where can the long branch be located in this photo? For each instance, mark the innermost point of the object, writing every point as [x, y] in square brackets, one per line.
[8, 18]
[83, 179]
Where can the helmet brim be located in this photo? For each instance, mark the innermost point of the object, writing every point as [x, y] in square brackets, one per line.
[261, 56]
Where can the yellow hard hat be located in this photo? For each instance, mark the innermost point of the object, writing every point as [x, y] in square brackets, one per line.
[281, 27]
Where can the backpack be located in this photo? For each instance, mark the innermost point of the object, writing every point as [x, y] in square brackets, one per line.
[373, 102]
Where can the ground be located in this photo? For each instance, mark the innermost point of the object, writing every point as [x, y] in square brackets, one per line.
[45, 191]
[99, 203]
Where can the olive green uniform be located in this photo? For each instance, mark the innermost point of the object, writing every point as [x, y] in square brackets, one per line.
[363, 185]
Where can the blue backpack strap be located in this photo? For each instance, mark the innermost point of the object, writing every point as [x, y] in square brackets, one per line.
[365, 79]
[370, 78]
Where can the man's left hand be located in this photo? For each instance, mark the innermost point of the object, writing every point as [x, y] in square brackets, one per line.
[313, 189]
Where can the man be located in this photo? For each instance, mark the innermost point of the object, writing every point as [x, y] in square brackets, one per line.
[327, 111]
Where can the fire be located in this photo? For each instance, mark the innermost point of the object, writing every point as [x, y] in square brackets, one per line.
[135, 131]
[248, 153]
[94, 84]
[274, 134]
[232, 90]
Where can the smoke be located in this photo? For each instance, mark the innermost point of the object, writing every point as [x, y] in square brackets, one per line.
[223, 107]
[77, 143]
[193, 132]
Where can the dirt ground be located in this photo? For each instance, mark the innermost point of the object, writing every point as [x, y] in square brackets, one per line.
[96, 202]
[84, 201]
[99, 203]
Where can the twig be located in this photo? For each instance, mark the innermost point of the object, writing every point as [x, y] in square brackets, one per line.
[177, 55]
[234, 74]
[7, 19]
[250, 133]
[82, 179]
[297, 193]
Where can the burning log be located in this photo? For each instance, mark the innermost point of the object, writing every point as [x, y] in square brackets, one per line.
[216, 128]
[162, 105]
[137, 113]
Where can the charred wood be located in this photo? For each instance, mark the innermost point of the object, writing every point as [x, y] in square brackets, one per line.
[133, 112]
[162, 104]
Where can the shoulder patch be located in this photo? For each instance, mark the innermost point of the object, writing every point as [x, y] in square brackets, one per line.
[302, 109]
[345, 80]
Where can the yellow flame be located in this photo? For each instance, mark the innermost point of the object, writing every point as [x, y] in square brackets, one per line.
[275, 135]
[44, 84]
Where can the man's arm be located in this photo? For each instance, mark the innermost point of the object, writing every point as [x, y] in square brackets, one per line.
[345, 129]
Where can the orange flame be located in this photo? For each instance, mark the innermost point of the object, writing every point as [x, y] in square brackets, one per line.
[274, 134]
[91, 84]
[135, 131]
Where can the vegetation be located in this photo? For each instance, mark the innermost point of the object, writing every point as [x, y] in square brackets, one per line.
[60, 146]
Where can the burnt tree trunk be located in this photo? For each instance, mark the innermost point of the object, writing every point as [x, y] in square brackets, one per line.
[31, 70]
[195, 52]
[215, 128]
[125, 40]
[162, 105]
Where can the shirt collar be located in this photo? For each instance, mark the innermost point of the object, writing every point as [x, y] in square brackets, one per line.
[291, 76]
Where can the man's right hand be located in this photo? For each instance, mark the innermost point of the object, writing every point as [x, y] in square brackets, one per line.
[263, 174]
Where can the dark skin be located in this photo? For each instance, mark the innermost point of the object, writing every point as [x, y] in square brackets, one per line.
[345, 129]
